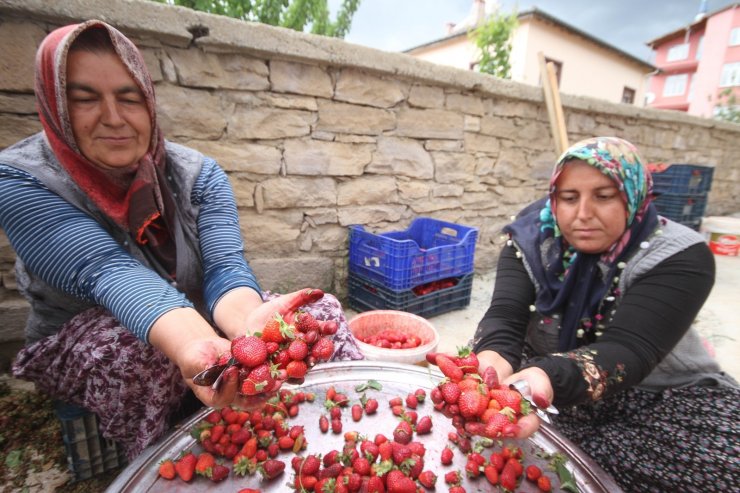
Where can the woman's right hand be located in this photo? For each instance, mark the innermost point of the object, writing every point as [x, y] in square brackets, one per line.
[493, 359]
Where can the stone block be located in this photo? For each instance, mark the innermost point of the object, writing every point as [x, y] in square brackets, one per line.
[353, 119]
[288, 274]
[300, 78]
[354, 86]
[404, 157]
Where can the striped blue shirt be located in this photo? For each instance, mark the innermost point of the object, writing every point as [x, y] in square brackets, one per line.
[70, 251]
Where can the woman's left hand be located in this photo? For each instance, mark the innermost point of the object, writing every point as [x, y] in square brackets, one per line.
[542, 392]
[285, 305]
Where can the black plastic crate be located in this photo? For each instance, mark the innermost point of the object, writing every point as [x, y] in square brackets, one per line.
[687, 209]
[88, 452]
[681, 178]
[428, 250]
[366, 294]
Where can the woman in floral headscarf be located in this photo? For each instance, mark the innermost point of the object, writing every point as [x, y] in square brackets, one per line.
[129, 246]
[594, 300]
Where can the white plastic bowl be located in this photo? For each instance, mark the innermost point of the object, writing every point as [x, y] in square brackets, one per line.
[366, 324]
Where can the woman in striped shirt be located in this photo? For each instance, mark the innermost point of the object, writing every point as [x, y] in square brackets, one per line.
[129, 247]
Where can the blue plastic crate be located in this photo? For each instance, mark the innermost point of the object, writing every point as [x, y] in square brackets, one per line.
[365, 294]
[428, 250]
[687, 209]
[682, 178]
[88, 452]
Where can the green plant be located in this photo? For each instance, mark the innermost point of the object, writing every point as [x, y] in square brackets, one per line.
[728, 107]
[493, 39]
[293, 14]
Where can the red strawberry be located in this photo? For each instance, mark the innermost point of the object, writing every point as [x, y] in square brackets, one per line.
[204, 465]
[323, 423]
[371, 406]
[507, 479]
[374, 485]
[259, 380]
[411, 401]
[361, 465]
[456, 489]
[449, 369]
[424, 426]
[298, 350]
[507, 398]
[336, 426]
[450, 392]
[329, 327]
[356, 412]
[185, 466]
[398, 482]
[447, 455]
[219, 473]
[400, 453]
[491, 474]
[490, 377]
[272, 468]
[467, 360]
[428, 479]
[296, 369]
[533, 472]
[305, 322]
[167, 469]
[543, 483]
[452, 477]
[471, 404]
[250, 351]
[276, 330]
[323, 349]
[403, 433]
[495, 425]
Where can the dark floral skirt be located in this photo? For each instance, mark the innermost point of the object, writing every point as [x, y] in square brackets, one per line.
[95, 363]
[678, 440]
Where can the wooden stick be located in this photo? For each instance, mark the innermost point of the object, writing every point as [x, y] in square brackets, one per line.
[560, 118]
[552, 101]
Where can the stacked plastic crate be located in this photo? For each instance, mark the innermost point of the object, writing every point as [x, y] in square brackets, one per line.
[682, 191]
[426, 269]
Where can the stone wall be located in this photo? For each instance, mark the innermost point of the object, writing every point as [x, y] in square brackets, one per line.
[318, 134]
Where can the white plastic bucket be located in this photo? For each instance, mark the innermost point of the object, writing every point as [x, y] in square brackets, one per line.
[722, 234]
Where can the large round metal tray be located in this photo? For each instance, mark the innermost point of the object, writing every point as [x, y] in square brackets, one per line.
[397, 380]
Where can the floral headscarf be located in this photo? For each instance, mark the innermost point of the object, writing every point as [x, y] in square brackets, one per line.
[141, 207]
[569, 282]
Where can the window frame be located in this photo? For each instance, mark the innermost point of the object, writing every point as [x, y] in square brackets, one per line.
[734, 36]
[730, 75]
[677, 52]
[673, 80]
[628, 91]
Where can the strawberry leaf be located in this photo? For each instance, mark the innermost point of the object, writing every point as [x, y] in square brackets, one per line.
[370, 384]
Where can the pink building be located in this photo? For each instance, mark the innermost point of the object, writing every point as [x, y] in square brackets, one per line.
[697, 63]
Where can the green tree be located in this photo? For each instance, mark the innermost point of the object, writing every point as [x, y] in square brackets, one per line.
[493, 39]
[728, 108]
[293, 14]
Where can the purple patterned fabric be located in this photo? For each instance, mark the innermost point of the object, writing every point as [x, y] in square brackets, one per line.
[96, 363]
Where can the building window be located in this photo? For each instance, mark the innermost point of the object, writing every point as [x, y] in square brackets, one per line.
[628, 95]
[678, 52]
[558, 68]
[730, 75]
[735, 36]
[675, 85]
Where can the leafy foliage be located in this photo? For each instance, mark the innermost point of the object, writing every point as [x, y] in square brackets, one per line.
[728, 108]
[293, 14]
[493, 39]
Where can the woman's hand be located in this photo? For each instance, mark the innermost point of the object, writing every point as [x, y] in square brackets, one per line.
[199, 354]
[286, 305]
[542, 394]
[493, 359]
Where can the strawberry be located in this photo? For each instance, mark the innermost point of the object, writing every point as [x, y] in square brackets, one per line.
[424, 426]
[323, 423]
[371, 406]
[204, 464]
[219, 473]
[276, 330]
[420, 395]
[298, 350]
[305, 322]
[400, 453]
[185, 466]
[356, 412]
[403, 433]
[374, 485]
[336, 426]
[449, 368]
[457, 489]
[296, 369]
[271, 468]
[495, 425]
[471, 404]
[167, 469]
[507, 398]
[428, 479]
[467, 360]
[411, 401]
[491, 474]
[361, 465]
[543, 483]
[452, 477]
[450, 392]
[507, 479]
[490, 377]
[398, 482]
[446, 457]
[323, 349]
[533, 472]
[258, 380]
[249, 351]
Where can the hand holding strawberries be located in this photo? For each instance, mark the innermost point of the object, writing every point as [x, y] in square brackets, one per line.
[286, 305]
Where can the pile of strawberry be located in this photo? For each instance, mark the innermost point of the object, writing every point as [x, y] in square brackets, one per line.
[250, 441]
[281, 351]
[476, 404]
[392, 339]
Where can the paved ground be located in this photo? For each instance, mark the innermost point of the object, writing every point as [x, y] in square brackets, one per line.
[717, 321]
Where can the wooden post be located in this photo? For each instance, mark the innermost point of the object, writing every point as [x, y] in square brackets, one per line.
[554, 107]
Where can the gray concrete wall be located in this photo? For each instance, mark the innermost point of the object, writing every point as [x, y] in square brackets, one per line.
[318, 134]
